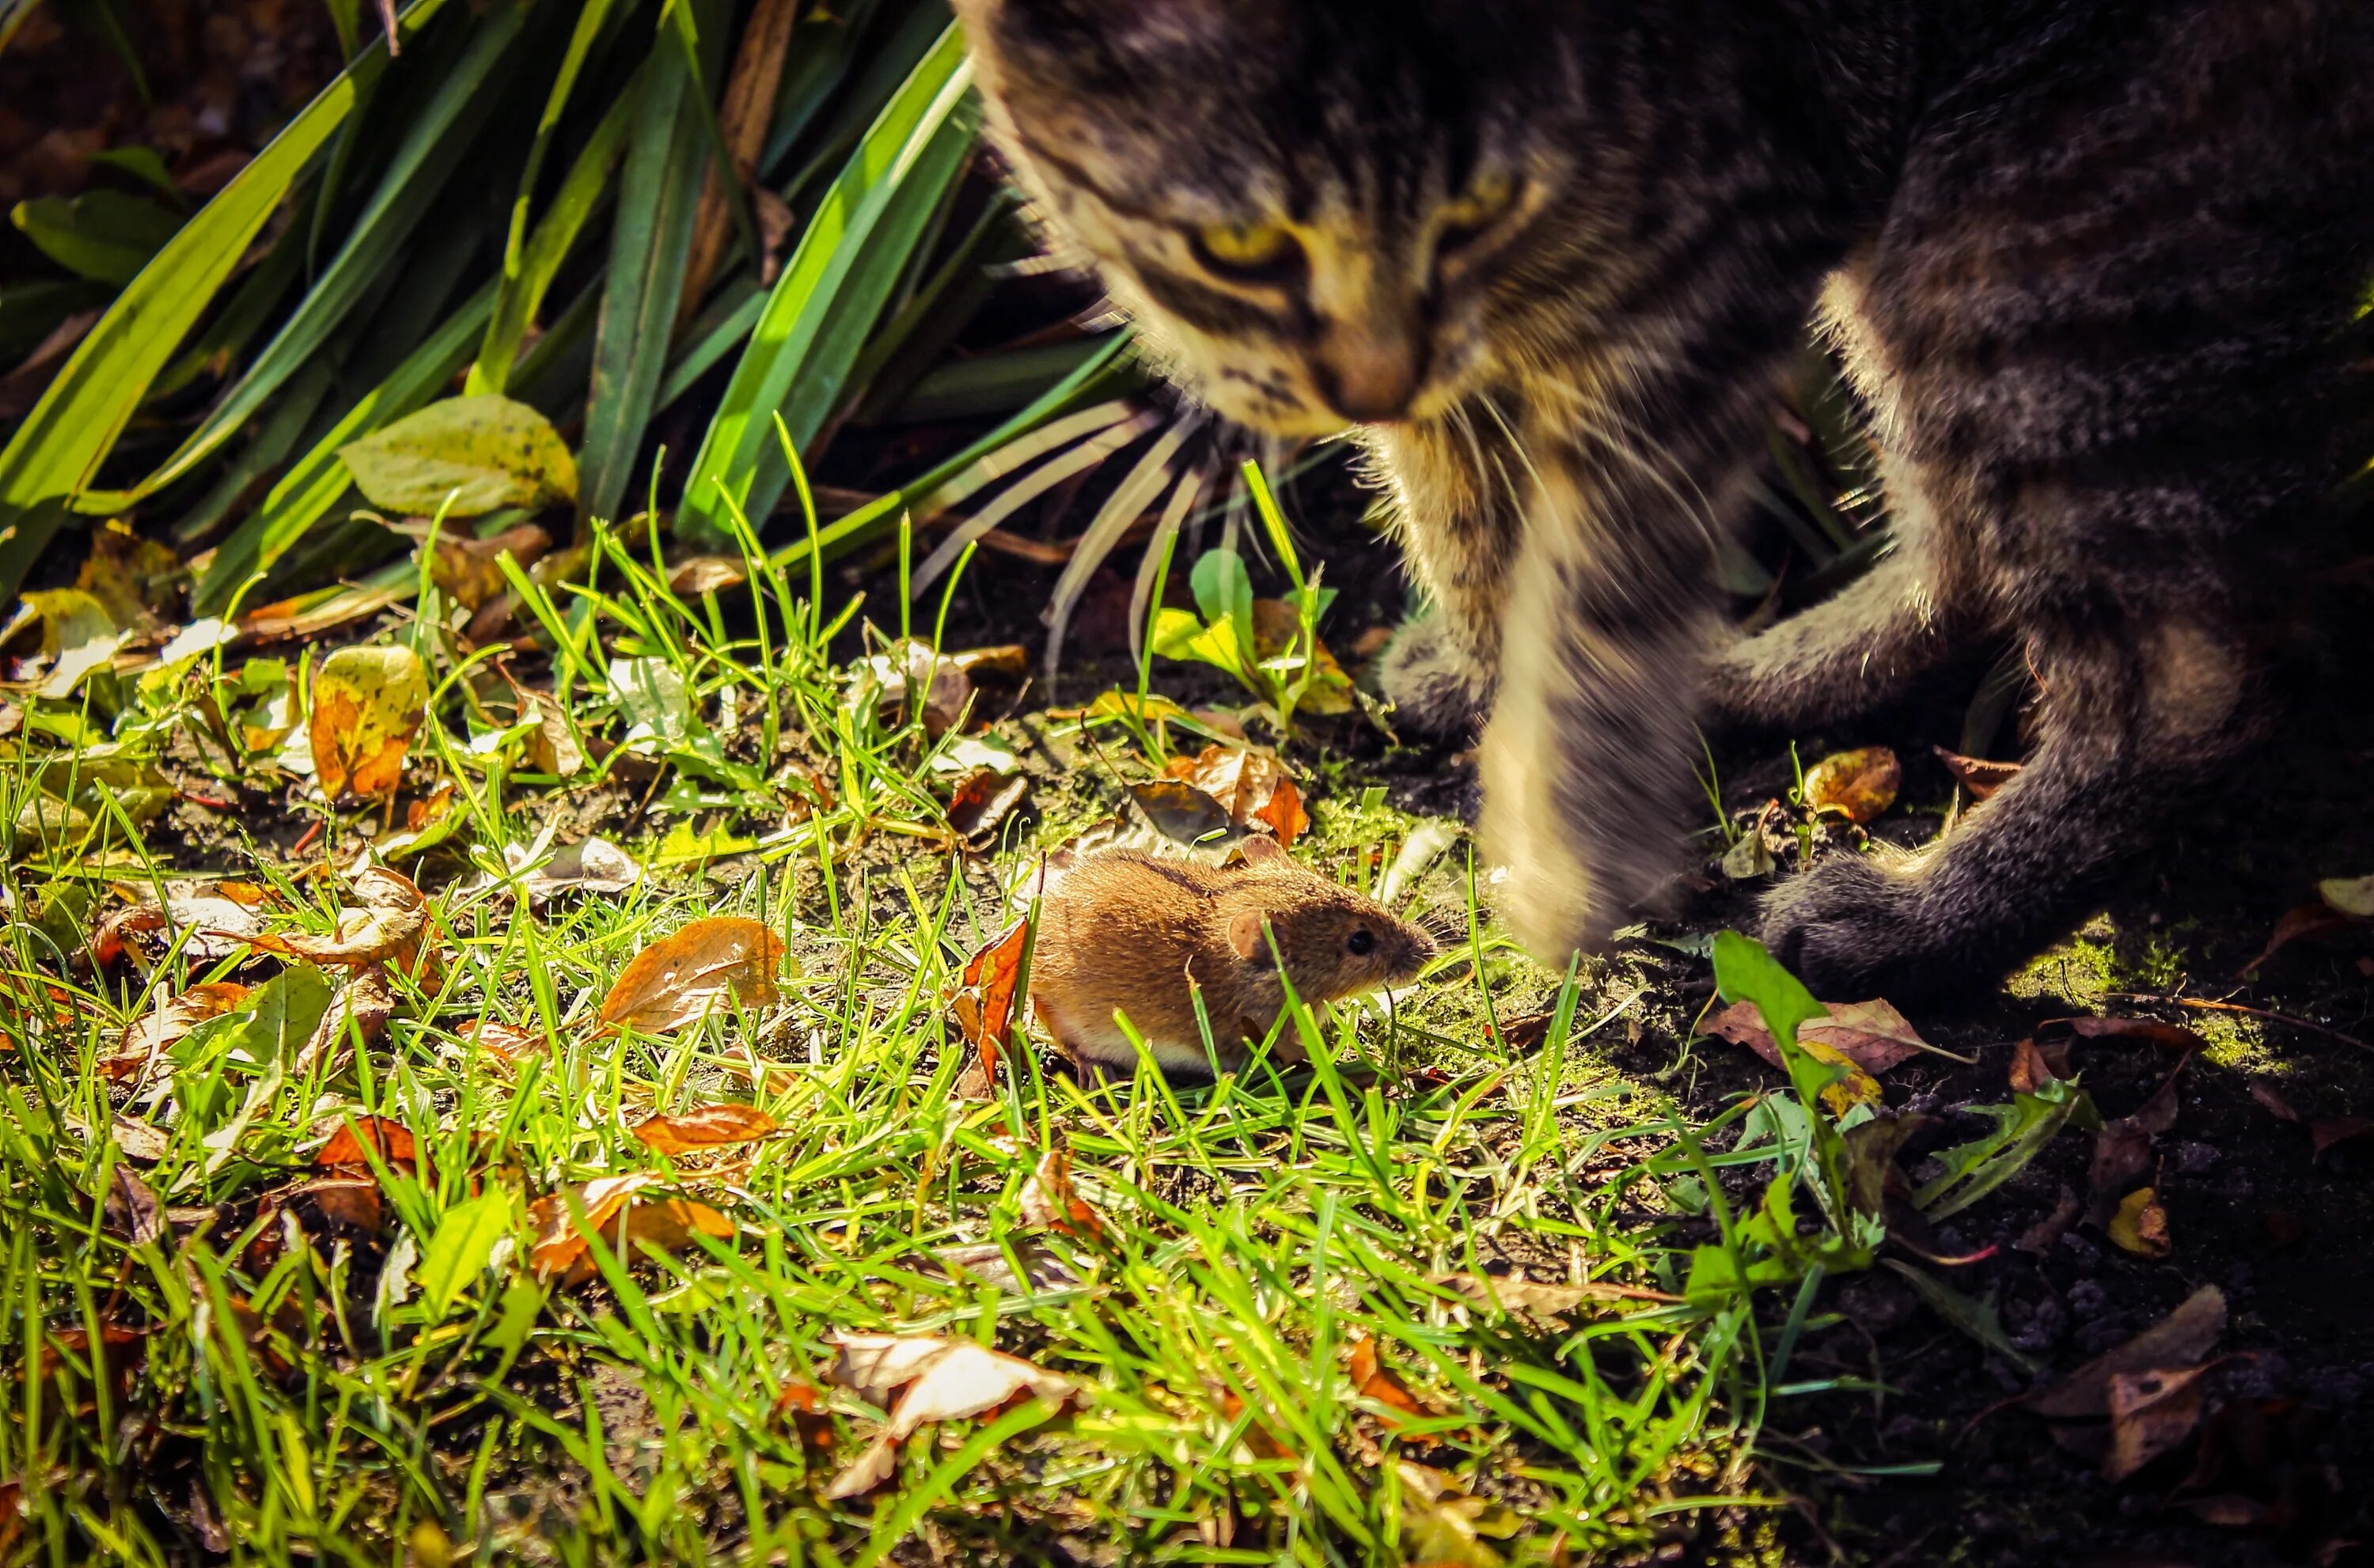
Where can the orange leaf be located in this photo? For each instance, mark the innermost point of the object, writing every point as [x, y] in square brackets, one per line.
[392, 1141]
[1252, 787]
[559, 1241]
[682, 978]
[708, 1127]
[389, 926]
[1980, 778]
[1371, 1380]
[158, 1032]
[1857, 784]
[1050, 1203]
[992, 980]
[507, 1042]
[368, 703]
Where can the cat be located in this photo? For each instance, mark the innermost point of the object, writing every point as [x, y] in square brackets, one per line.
[2094, 268]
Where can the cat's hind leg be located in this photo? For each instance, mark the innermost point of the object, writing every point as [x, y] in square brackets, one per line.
[1863, 646]
[2137, 715]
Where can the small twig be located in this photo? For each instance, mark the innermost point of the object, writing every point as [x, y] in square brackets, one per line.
[2272, 1017]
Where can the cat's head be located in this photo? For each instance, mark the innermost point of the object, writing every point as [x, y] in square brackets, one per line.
[1321, 212]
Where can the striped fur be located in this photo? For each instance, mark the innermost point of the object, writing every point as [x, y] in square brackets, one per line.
[2092, 266]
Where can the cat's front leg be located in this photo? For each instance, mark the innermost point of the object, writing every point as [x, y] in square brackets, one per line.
[2137, 715]
[1457, 507]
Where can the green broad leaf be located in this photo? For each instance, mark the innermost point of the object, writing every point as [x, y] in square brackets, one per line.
[2022, 1130]
[279, 1016]
[529, 265]
[144, 165]
[466, 456]
[659, 191]
[57, 450]
[311, 487]
[434, 146]
[1224, 592]
[105, 236]
[462, 1246]
[1176, 632]
[832, 293]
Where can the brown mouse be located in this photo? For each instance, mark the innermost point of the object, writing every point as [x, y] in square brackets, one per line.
[1122, 930]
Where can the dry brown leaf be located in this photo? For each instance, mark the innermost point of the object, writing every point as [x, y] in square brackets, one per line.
[1180, 810]
[1872, 1034]
[2151, 1413]
[742, 116]
[359, 1138]
[683, 977]
[2039, 1237]
[387, 928]
[2185, 1337]
[346, 1201]
[615, 1210]
[697, 575]
[2310, 920]
[1050, 1202]
[2270, 1097]
[984, 799]
[155, 1032]
[358, 1014]
[1549, 1301]
[2140, 1226]
[215, 925]
[1980, 778]
[1371, 1379]
[2030, 1070]
[507, 1042]
[942, 1379]
[593, 865]
[2123, 1149]
[131, 1209]
[985, 1001]
[140, 1139]
[368, 703]
[1857, 784]
[2336, 1129]
[706, 1127]
[1252, 787]
[2173, 1035]
[469, 568]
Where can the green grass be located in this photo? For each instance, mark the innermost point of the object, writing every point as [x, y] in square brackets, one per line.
[1253, 1233]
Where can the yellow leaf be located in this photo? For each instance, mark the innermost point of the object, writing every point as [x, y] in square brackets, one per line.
[1857, 784]
[1857, 1088]
[2141, 1224]
[368, 703]
[485, 452]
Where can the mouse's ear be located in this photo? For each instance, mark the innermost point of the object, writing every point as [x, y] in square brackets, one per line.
[1259, 852]
[1245, 936]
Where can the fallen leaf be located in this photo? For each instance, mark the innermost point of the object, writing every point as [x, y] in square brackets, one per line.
[1857, 784]
[706, 1127]
[463, 456]
[2030, 1070]
[388, 927]
[140, 1139]
[2270, 1097]
[368, 705]
[350, 1202]
[1180, 810]
[943, 1379]
[2337, 1130]
[358, 1015]
[1050, 1202]
[2123, 1149]
[508, 1042]
[2151, 1413]
[469, 569]
[2173, 1035]
[989, 1263]
[983, 799]
[1251, 785]
[985, 999]
[155, 1032]
[683, 977]
[2305, 921]
[1277, 625]
[615, 1210]
[1872, 1034]
[697, 575]
[1980, 778]
[552, 745]
[1372, 1380]
[2350, 896]
[2039, 1237]
[944, 679]
[1548, 1301]
[207, 925]
[1749, 857]
[2185, 1337]
[359, 1138]
[594, 865]
[2140, 1226]
[131, 1209]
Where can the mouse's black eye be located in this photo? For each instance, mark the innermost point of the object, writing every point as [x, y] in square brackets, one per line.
[1361, 942]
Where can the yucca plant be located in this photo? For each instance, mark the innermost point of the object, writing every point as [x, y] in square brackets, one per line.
[730, 229]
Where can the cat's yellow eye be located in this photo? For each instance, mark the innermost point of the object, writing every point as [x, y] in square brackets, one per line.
[1248, 249]
[1487, 199]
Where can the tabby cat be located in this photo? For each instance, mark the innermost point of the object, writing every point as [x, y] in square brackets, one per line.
[2093, 265]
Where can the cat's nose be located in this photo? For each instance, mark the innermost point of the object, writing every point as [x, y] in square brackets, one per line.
[1371, 379]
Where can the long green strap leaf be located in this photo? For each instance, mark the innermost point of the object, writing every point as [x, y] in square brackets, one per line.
[802, 328]
[658, 195]
[431, 151]
[69, 433]
[522, 290]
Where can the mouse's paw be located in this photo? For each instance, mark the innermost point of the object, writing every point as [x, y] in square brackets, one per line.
[1436, 682]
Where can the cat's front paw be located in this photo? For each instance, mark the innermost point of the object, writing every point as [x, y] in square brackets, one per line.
[1850, 928]
[1436, 685]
